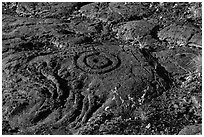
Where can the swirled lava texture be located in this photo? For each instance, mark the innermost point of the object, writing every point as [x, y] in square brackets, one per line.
[101, 68]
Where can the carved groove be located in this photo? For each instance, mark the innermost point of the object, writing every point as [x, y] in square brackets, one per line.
[97, 62]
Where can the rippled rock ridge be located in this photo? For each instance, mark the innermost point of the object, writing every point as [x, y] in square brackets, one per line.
[101, 68]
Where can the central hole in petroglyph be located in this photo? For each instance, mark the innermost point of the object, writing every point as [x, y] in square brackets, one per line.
[95, 60]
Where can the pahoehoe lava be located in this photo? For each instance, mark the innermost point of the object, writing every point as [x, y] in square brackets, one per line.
[101, 68]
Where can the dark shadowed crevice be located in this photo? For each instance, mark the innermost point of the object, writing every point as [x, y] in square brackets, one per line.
[154, 32]
[42, 115]
[161, 71]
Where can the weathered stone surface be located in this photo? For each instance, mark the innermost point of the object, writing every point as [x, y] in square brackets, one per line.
[134, 30]
[96, 10]
[195, 12]
[46, 10]
[115, 12]
[191, 130]
[196, 40]
[129, 10]
[179, 61]
[179, 34]
[107, 79]
[64, 71]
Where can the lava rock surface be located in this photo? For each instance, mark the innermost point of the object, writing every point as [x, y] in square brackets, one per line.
[101, 68]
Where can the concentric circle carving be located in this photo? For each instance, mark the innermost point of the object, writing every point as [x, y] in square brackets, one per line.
[97, 62]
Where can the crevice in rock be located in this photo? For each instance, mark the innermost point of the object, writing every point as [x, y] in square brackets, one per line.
[161, 71]
[154, 32]
[42, 115]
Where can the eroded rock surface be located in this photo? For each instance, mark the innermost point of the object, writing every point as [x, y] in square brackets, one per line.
[100, 68]
[182, 35]
[191, 130]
